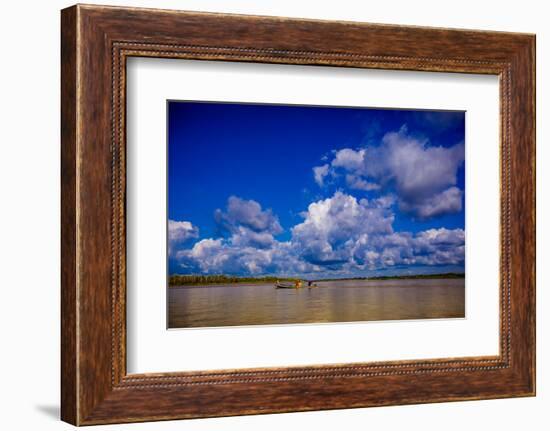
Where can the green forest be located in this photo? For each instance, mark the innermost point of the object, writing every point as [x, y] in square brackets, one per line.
[198, 280]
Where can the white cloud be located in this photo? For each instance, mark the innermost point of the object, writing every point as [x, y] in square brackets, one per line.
[431, 247]
[219, 256]
[441, 237]
[246, 237]
[247, 223]
[180, 231]
[333, 225]
[349, 159]
[384, 201]
[319, 173]
[247, 214]
[423, 176]
[357, 183]
[339, 235]
[343, 232]
[446, 202]
[249, 247]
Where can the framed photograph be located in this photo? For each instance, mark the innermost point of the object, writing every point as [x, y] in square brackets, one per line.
[267, 215]
[341, 257]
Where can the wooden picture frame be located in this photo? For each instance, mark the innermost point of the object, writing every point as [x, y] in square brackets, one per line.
[95, 43]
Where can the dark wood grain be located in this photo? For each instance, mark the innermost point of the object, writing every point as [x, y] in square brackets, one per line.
[69, 398]
[96, 41]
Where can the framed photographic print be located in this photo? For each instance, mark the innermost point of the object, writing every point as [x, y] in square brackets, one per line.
[268, 215]
[341, 259]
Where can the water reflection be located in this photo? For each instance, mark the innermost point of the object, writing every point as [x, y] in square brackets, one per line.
[340, 301]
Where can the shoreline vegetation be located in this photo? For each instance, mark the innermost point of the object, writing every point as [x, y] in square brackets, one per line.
[176, 280]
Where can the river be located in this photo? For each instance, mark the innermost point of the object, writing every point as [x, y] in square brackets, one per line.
[332, 301]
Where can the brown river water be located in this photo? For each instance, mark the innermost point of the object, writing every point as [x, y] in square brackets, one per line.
[332, 301]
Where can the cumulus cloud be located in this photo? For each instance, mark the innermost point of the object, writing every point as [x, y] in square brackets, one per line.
[333, 225]
[343, 232]
[243, 237]
[443, 236]
[423, 176]
[220, 256]
[248, 245]
[180, 233]
[431, 247]
[447, 202]
[247, 223]
[420, 173]
[440, 246]
[338, 235]
[319, 173]
[349, 159]
[357, 183]
[247, 214]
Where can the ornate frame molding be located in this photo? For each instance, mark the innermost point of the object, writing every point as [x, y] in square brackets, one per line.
[96, 41]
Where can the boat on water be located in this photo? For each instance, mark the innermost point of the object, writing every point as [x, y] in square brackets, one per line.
[294, 284]
[288, 284]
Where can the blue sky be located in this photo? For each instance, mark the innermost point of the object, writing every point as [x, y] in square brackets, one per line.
[302, 190]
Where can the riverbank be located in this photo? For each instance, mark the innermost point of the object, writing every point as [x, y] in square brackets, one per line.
[222, 280]
[446, 275]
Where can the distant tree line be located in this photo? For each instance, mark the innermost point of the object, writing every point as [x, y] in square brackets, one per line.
[402, 277]
[445, 275]
[197, 280]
